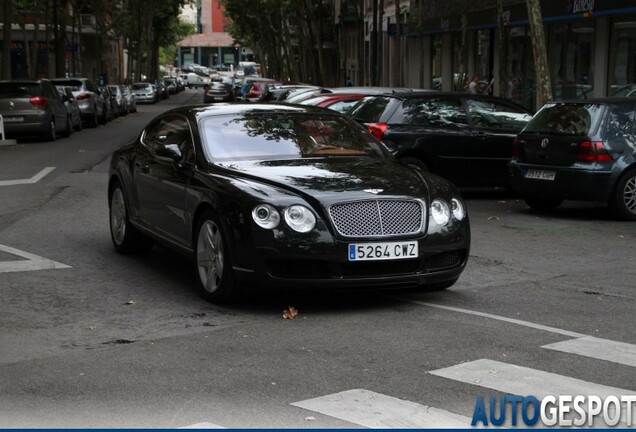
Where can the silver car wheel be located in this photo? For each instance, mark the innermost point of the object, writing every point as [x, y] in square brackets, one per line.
[210, 256]
[118, 216]
[629, 194]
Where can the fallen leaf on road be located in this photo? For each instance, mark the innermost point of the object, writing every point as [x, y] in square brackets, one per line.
[290, 313]
[130, 302]
[493, 218]
[310, 418]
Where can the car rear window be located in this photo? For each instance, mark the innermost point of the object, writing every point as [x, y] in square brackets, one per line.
[75, 85]
[284, 136]
[369, 109]
[566, 119]
[19, 90]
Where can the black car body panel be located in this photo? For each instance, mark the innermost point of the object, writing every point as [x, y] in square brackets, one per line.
[165, 199]
[465, 138]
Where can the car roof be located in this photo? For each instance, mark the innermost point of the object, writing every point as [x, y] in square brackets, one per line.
[206, 110]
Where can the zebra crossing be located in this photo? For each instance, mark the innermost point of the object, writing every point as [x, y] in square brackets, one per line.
[368, 409]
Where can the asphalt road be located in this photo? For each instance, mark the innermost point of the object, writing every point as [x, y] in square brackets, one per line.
[89, 338]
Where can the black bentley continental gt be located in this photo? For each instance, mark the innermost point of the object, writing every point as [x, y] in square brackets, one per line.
[284, 196]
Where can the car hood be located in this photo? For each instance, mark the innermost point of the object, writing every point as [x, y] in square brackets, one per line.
[334, 178]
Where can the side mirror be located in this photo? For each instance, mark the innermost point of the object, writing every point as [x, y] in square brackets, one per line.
[169, 151]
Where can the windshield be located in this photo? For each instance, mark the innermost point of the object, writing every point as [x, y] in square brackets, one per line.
[566, 119]
[256, 135]
[141, 87]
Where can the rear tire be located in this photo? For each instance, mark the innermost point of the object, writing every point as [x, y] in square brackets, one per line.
[622, 204]
[126, 238]
[213, 266]
[51, 135]
[537, 203]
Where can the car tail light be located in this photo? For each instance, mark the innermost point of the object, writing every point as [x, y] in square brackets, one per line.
[39, 101]
[516, 147]
[83, 96]
[593, 151]
[377, 129]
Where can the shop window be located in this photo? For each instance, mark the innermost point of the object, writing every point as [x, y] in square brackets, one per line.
[520, 71]
[436, 62]
[622, 61]
[571, 51]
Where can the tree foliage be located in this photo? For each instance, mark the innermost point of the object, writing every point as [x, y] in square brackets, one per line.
[288, 36]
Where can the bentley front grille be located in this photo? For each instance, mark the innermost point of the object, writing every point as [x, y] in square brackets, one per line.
[378, 218]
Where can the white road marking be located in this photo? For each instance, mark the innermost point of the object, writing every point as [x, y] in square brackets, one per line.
[202, 426]
[30, 263]
[523, 381]
[377, 411]
[603, 349]
[36, 178]
[496, 317]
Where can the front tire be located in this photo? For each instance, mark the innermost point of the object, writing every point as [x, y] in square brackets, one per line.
[126, 238]
[213, 265]
[623, 201]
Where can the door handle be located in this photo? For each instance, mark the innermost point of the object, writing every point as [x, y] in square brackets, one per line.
[143, 167]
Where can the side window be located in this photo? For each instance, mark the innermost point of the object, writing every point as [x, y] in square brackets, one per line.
[494, 115]
[443, 113]
[369, 109]
[620, 121]
[171, 131]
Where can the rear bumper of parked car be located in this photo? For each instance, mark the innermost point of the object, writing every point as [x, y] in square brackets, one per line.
[30, 124]
[581, 182]
[145, 98]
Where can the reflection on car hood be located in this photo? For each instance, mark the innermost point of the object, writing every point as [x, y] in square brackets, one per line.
[325, 176]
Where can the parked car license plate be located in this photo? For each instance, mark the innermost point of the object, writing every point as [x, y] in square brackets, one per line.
[14, 119]
[383, 251]
[218, 98]
[541, 174]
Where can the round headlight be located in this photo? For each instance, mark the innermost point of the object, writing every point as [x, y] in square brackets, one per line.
[440, 212]
[265, 216]
[300, 218]
[458, 209]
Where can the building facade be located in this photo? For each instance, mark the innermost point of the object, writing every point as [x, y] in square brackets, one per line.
[212, 45]
[440, 44]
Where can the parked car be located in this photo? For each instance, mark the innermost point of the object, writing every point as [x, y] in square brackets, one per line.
[254, 88]
[33, 108]
[218, 91]
[131, 102]
[110, 104]
[144, 93]
[284, 196]
[340, 102]
[72, 106]
[161, 89]
[282, 92]
[298, 97]
[90, 100]
[119, 99]
[579, 150]
[464, 138]
[171, 84]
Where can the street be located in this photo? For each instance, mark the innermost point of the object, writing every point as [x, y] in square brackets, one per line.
[90, 338]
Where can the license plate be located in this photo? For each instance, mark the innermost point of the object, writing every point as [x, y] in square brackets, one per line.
[541, 174]
[218, 98]
[383, 251]
[13, 119]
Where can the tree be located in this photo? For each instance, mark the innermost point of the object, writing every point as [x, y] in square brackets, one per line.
[542, 70]
[7, 9]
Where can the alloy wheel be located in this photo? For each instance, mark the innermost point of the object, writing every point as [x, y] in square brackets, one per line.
[629, 194]
[118, 216]
[210, 256]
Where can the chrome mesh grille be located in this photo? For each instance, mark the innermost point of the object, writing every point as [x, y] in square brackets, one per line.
[377, 218]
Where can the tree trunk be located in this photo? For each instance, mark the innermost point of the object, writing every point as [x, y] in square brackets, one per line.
[5, 73]
[380, 41]
[502, 33]
[373, 46]
[542, 70]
